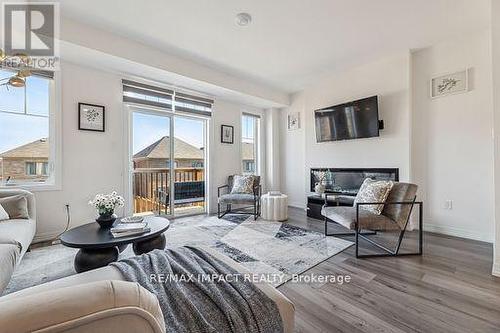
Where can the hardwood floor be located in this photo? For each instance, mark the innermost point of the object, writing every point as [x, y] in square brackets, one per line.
[448, 289]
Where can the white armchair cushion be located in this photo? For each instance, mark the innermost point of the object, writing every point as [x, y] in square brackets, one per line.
[3, 214]
[16, 206]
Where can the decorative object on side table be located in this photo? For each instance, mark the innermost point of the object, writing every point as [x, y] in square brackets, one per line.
[227, 134]
[91, 117]
[320, 175]
[450, 83]
[106, 205]
[294, 121]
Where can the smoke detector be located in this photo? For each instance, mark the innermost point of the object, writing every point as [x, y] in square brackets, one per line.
[243, 19]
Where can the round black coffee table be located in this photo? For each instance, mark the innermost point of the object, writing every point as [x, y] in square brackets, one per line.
[99, 248]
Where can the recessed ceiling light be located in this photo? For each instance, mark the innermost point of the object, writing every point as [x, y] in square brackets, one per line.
[243, 19]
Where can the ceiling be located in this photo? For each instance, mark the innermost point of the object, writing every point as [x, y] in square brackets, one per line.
[290, 43]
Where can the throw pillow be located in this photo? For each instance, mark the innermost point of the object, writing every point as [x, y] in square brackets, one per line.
[373, 191]
[3, 214]
[16, 206]
[243, 184]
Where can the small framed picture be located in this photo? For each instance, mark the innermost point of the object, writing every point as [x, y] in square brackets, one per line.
[91, 117]
[294, 121]
[227, 134]
[449, 84]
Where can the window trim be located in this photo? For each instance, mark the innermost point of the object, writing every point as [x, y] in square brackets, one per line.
[54, 182]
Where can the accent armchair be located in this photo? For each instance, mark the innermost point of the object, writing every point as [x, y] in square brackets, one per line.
[362, 223]
[251, 200]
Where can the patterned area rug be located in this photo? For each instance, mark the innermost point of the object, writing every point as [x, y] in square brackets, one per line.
[275, 249]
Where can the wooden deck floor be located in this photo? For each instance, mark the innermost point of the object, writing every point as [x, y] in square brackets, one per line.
[448, 289]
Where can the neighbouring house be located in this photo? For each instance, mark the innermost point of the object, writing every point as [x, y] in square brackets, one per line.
[26, 162]
[248, 157]
[157, 155]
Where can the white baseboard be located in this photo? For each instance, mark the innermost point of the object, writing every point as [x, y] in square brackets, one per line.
[496, 269]
[459, 232]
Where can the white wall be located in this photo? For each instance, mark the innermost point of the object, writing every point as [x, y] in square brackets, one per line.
[93, 162]
[292, 152]
[387, 78]
[452, 151]
[495, 39]
[84, 43]
[225, 158]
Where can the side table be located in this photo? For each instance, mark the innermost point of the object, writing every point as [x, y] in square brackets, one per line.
[274, 207]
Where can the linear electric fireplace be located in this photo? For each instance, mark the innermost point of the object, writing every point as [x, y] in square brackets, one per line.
[344, 181]
[348, 180]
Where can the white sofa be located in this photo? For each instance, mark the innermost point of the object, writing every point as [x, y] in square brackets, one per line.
[101, 301]
[15, 236]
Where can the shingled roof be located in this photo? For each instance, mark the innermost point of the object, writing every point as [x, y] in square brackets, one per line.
[161, 149]
[35, 149]
[183, 150]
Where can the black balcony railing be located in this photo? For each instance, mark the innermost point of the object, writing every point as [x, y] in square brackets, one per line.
[152, 191]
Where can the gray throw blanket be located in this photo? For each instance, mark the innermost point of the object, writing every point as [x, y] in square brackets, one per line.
[191, 304]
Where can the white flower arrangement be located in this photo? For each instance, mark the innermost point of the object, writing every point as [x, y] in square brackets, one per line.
[107, 203]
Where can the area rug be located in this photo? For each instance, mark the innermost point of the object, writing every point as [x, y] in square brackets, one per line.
[274, 249]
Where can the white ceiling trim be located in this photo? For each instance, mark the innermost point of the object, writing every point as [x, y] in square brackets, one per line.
[88, 46]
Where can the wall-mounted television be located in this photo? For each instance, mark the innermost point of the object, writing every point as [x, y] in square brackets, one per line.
[353, 120]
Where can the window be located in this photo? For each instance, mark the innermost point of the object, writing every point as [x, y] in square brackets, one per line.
[248, 166]
[25, 155]
[37, 168]
[30, 168]
[250, 144]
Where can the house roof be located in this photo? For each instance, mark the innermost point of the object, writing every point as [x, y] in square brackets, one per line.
[161, 149]
[35, 149]
[183, 150]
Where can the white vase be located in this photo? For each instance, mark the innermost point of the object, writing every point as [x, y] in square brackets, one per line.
[319, 188]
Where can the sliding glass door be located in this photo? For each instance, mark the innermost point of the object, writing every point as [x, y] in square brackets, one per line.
[168, 176]
[151, 167]
[189, 165]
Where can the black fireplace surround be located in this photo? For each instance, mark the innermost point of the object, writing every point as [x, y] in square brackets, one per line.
[343, 181]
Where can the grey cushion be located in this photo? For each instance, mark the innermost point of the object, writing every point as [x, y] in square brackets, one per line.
[16, 206]
[346, 216]
[239, 198]
[230, 181]
[373, 191]
[243, 184]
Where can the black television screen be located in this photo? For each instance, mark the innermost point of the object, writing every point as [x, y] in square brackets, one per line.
[353, 120]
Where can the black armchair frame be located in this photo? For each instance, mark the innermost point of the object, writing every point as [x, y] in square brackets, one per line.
[358, 233]
[257, 192]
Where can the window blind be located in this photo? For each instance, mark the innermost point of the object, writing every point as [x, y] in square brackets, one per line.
[34, 72]
[193, 104]
[139, 93]
[143, 94]
[42, 73]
